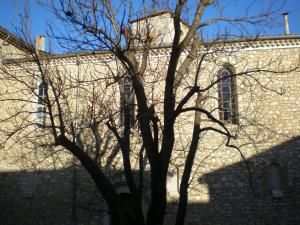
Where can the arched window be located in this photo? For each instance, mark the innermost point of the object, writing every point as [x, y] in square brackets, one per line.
[41, 106]
[227, 96]
[127, 102]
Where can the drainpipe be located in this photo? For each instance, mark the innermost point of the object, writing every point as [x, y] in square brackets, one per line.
[77, 95]
[74, 197]
[286, 23]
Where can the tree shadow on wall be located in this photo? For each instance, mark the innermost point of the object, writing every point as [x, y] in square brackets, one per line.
[47, 197]
[273, 199]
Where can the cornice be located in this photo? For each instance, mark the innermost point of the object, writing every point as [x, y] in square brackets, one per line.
[264, 43]
[254, 44]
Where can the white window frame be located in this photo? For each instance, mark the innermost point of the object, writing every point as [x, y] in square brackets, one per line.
[41, 109]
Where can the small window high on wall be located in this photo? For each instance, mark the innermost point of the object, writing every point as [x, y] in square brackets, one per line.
[41, 105]
[275, 180]
[227, 96]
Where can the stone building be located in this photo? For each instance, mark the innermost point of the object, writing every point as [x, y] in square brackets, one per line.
[263, 112]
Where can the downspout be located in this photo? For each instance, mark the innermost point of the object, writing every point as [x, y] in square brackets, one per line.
[74, 181]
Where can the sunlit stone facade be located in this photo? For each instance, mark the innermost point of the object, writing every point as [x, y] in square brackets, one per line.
[38, 188]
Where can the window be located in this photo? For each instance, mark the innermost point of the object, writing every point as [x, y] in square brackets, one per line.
[127, 86]
[41, 107]
[173, 183]
[28, 184]
[104, 215]
[275, 179]
[227, 97]
[127, 102]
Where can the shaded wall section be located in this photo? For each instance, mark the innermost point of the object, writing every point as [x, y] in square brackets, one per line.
[46, 197]
[232, 200]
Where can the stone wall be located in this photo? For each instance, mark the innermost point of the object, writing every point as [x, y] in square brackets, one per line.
[220, 191]
[35, 197]
[47, 197]
[232, 200]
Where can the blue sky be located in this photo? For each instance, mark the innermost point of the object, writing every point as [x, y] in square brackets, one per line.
[40, 16]
[10, 10]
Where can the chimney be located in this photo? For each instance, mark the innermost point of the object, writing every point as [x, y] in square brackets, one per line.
[286, 23]
[40, 43]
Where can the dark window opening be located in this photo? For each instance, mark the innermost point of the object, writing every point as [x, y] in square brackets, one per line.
[275, 179]
[127, 102]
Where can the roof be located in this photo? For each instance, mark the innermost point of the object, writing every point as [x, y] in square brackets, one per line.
[17, 42]
[263, 38]
[12, 39]
[266, 42]
[158, 13]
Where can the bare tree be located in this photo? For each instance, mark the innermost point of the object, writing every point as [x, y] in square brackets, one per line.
[135, 102]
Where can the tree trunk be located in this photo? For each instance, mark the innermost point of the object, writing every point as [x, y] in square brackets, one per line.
[157, 208]
[183, 193]
[117, 212]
